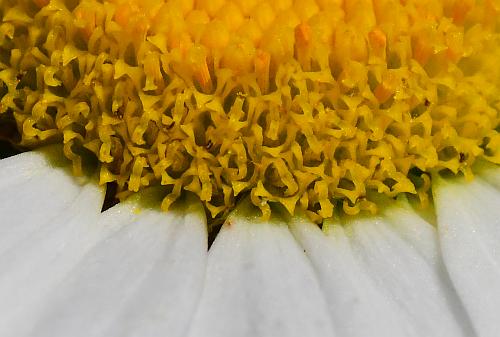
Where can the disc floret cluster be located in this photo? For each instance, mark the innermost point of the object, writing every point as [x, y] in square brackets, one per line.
[310, 104]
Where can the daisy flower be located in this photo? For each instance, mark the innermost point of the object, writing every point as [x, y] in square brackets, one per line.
[249, 168]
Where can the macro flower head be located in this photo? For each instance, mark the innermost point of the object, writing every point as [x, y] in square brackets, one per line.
[249, 168]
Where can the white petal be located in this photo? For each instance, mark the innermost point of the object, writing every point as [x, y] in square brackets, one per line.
[32, 192]
[356, 305]
[490, 173]
[259, 283]
[22, 167]
[469, 233]
[77, 271]
[43, 258]
[144, 280]
[423, 238]
[383, 278]
[406, 272]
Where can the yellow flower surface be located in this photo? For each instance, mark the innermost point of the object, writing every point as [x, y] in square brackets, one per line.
[310, 104]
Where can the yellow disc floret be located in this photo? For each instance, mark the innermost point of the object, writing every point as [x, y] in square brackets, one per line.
[306, 103]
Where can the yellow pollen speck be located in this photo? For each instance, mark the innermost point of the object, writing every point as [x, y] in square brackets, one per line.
[310, 104]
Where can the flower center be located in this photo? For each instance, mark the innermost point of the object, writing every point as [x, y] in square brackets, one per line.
[310, 104]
